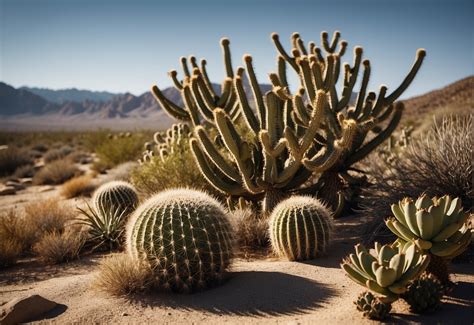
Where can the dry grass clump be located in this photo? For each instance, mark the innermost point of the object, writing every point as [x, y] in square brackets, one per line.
[56, 247]
[440, 162]
[120, 275]
[78, 186]
[48, 216]
[115, 151]
[12, 158]
[15, 230]
[56, 172]
[251, 231]
[56, 154]
[25, 171]
[10, 250]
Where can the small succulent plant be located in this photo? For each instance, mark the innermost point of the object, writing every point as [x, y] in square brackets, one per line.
[372, 307]
[424, 294]
[386, 271]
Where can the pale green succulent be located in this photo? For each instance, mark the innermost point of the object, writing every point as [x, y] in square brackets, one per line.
[387, 270]
[436, 225]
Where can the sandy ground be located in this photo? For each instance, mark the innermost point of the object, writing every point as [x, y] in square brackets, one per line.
[257, 291]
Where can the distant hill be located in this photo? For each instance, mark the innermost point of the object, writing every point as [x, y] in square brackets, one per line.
[70, 95]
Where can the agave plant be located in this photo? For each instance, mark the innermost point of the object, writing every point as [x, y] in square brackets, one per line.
[436, 225]
[106, 228]
[388, 270]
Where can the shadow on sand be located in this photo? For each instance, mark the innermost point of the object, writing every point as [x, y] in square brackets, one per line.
[249, 294]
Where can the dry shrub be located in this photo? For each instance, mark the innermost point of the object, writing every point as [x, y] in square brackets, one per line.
[25, 171]
[12, 158]
[56, 154]
[251, 231]
[56, 247]
[10, 250]
[115, 151]
[15, 230]
[56, 172]
[438, 163]
[78, 186]
[121, 275]
[48, 216]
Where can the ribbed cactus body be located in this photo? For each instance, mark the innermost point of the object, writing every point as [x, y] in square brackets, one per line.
[300, 228]
[116, 195]
[185, 236]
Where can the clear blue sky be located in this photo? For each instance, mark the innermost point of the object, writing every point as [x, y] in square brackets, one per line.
[121, 46]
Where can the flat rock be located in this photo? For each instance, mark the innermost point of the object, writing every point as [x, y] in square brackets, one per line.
[24, 309]
[26, 181]
[7, 190]
[18, 186]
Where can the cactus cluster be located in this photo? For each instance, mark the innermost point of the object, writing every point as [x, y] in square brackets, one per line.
[435, 225]
[386, 271]
[300, 228]
[185, 237]
[424, 294]
[372, 307]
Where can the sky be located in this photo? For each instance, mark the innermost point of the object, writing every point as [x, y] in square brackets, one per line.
[127, 46]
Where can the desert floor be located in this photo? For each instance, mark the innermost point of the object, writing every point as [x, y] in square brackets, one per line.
[258, 290]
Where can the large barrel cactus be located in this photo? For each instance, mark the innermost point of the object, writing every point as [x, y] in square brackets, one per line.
[300, 228]
[115, 196]
[185, 236]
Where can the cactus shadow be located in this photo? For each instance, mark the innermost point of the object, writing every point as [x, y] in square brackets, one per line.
[250, 293]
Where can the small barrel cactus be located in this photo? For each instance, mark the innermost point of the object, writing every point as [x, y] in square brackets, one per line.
[372, 307]
[424, 294]
[300, 228]
[185, 236]
[116, 195]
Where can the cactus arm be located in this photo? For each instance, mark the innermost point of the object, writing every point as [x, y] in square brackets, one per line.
[170, 107]
[381, 137]
[274, 151]
[225, 93]
[214, 177]
[200, 86]
[282, 71]
[205, 76]
[227, 57]
[174, 77]
[259, 103]
[191, 108]
[300, 107]
[347, 91]
[214, 155]
[305, 73]
[201, 105]
[244, 104]
[281, 50]
[329, 75]
[274, 117]
[330, 48]
[184, 65]
[362, 90]
[317, 74]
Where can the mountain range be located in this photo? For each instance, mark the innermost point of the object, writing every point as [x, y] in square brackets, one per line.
[37, 108]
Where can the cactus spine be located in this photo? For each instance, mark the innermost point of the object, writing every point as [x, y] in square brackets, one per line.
[115, 196]
[300, 228]
[185, 236]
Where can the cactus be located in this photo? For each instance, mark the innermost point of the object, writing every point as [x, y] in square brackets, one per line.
[424, 294]
[319, 69]
[113, 196]
[388, 270]
[436, 225]
[185, 237]
[300, 228]
[198, 94]
[372, 307]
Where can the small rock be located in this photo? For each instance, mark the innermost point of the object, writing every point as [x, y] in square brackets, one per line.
[7, 190]
[26, 181]
[25, 309]
[169, 314]
[124, 314]
[16, 185]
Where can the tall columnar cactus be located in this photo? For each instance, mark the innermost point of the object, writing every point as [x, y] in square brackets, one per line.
[115, 196]
[197, 92]
[319, 68]
[435, 225]
[388, 270]
[185, 236]
[300, 228]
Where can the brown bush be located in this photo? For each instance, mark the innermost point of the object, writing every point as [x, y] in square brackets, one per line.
[121, 275]
[55, 247]
[12, 158]
[10, 250]
[48, 216]
[78, 186]
[56, 172]
[251, 231]
[56, 154]
[14, 229]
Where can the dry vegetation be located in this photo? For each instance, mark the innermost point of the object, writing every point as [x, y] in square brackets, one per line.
[250, 230]
[56, 172]
[57, 247]
[11, 159]
[78, 186]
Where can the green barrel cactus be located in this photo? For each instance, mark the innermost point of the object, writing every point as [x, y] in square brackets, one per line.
[435, 225]
[386, 271]
[185, 236]
[372, 307]
[113, 196]
[424, 294]
[300, 228]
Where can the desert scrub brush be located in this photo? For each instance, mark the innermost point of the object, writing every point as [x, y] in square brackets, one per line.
[300, 228]
[185, 237]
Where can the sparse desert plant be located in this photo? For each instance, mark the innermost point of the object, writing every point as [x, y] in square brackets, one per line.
[388, 270]
[10, 250]
[300, 228]
[78, 186]
[80, 157]
[115, 195]
[372, 307]
[25, 171]
[185, 236]
[436, 226]
[424, 294]
[119, 150]
[55, 154]
[58, 247]
[120, 275]
[442, 158]
[48, 216]
[251, 231]
[15, 228]
[11, 159]
[41, 147]
[56, 172]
